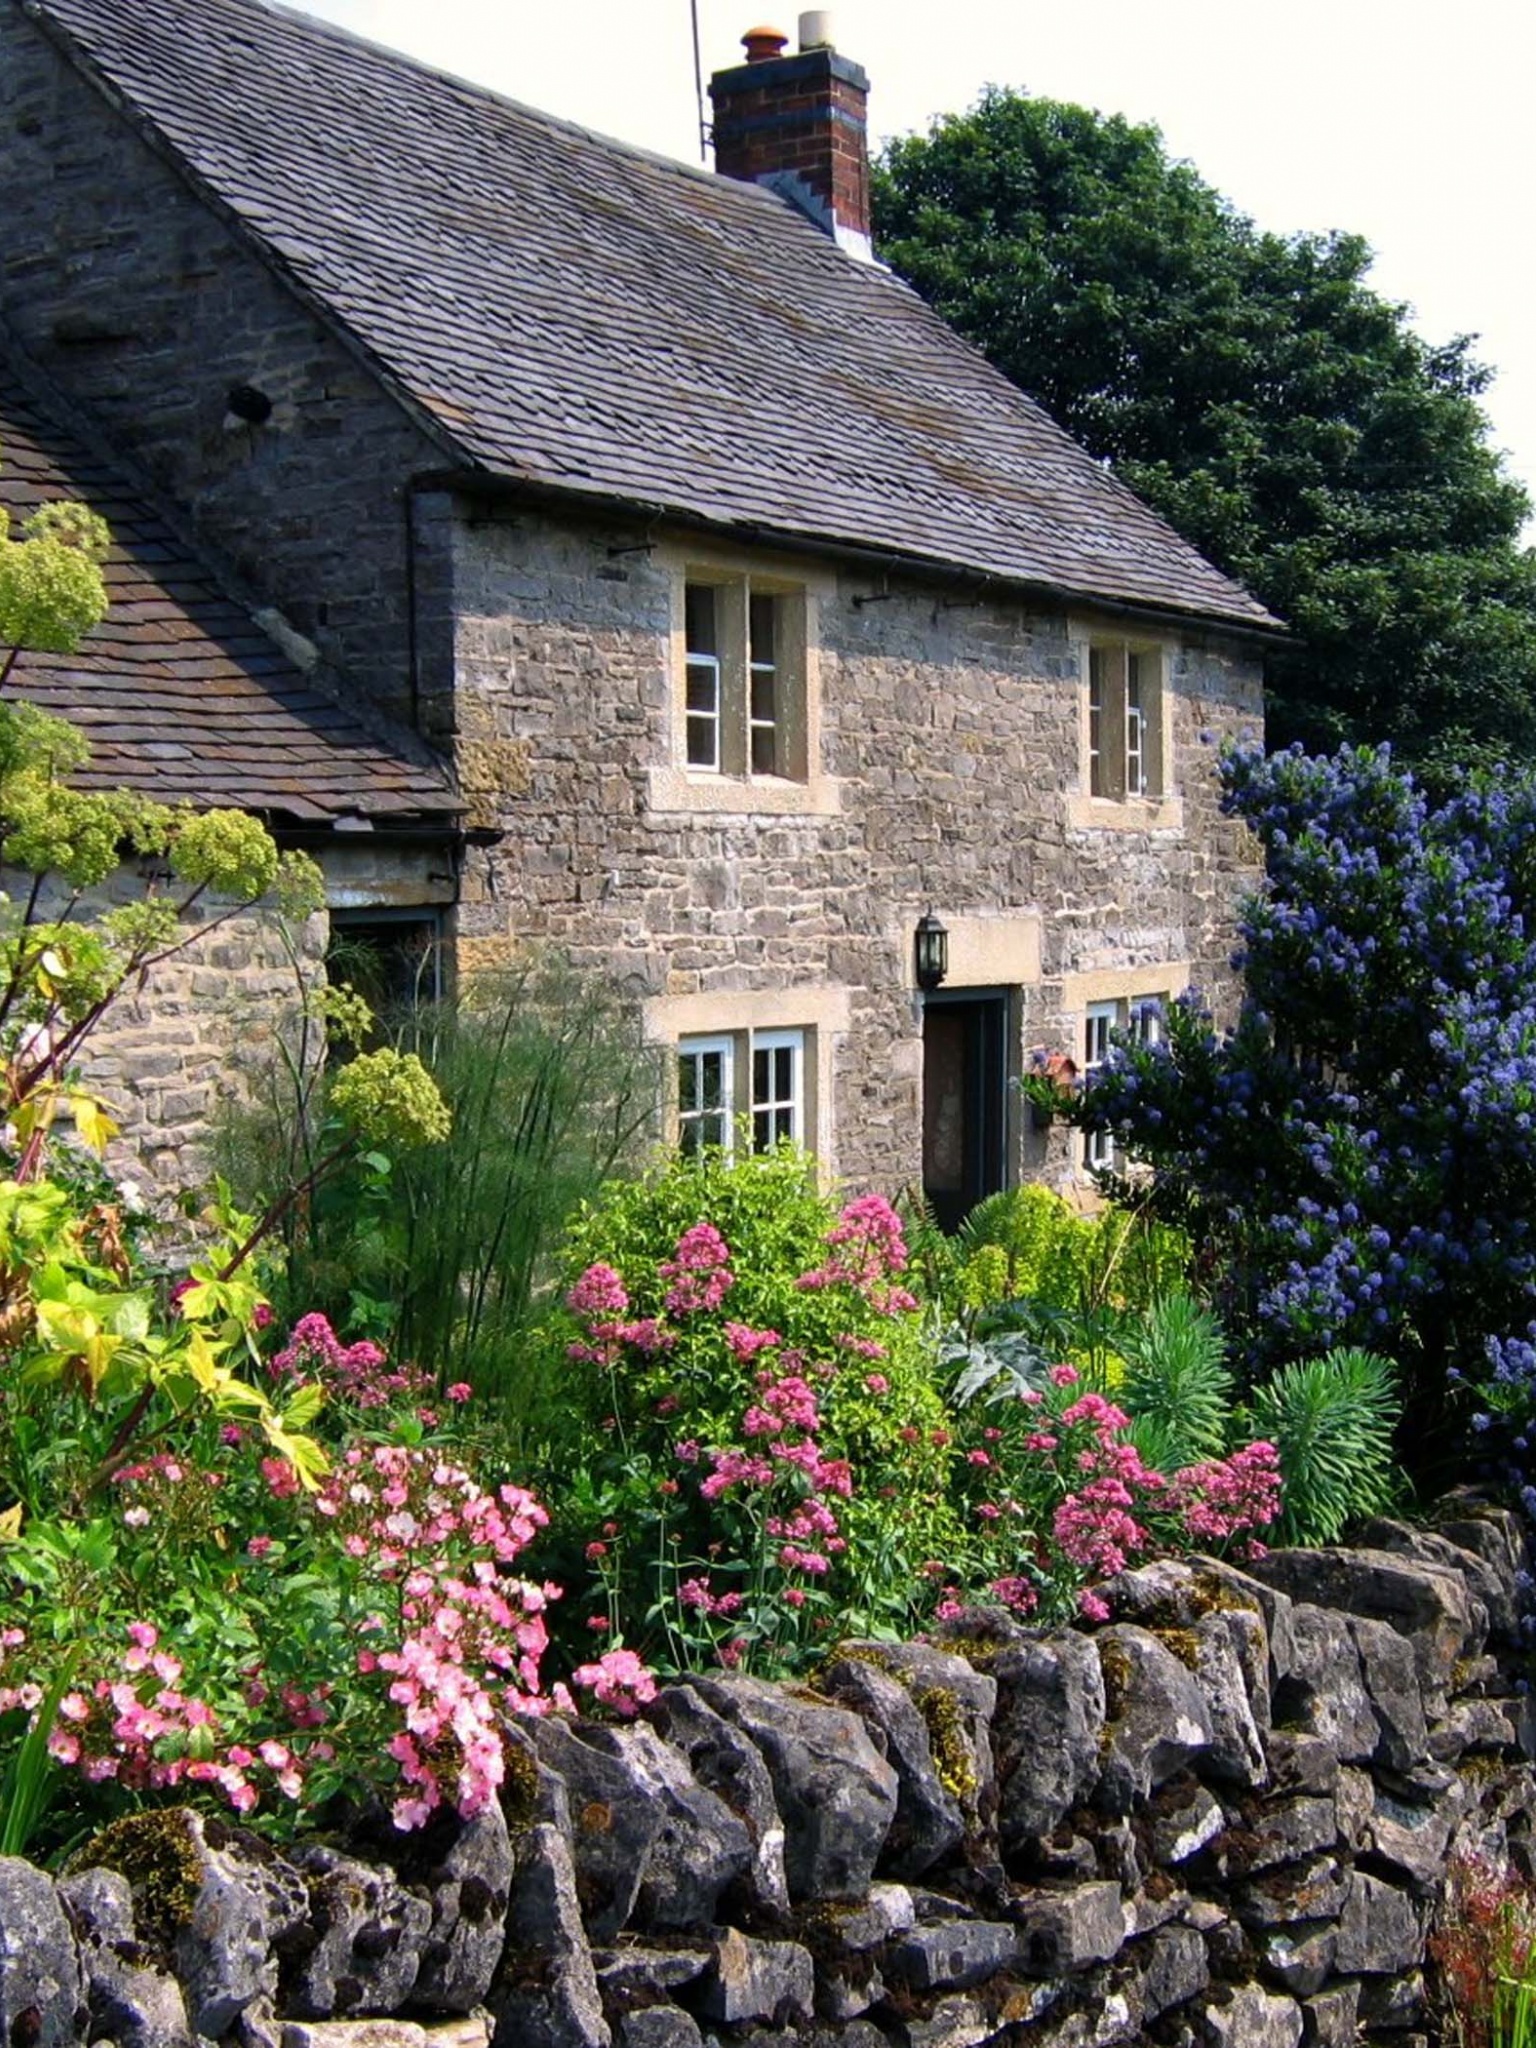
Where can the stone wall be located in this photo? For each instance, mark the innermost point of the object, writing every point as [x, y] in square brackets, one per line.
[142, 301]
[1222, 1820]
[952, 745]
[193, 1033]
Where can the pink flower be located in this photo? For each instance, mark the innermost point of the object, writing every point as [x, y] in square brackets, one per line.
[1091, 1606]
[877, 1383]
[598, 1292]
[258, 1546]
[619, 1680]
[459, 1392]
[1064, 1375]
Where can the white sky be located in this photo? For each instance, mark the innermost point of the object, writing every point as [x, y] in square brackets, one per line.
[1405, 121]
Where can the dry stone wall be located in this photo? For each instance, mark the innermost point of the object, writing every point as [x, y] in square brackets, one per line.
[1222, 1820]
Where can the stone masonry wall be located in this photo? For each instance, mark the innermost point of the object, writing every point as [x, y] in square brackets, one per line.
[143, 303]
[953, 732]
[169, 1053]
[1221, 1820]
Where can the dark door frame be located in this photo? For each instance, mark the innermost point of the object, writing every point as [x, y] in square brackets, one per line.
[987, 1109]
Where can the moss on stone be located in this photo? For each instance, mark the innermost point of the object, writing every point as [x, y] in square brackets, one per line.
[519, 1788]
[1184, 1644]
[952, 1758]
[160, 1856]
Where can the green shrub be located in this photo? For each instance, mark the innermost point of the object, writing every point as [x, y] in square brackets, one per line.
[1177, 1386]
[639, 1401]
[1331, 1419]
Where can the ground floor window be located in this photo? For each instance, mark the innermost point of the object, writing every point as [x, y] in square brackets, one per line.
[731, 1076]
[1142, 1016]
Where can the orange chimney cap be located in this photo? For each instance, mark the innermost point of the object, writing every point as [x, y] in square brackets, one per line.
[763, 44]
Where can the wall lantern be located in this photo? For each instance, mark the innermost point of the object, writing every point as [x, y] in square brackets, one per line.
[930, 945]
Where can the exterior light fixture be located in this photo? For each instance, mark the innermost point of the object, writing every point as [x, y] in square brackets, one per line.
[930, 946]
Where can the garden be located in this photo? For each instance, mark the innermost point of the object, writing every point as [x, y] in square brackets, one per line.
[454, 1400]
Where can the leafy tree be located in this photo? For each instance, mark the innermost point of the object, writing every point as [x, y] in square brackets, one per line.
[1357, 1156]
[1255, 390]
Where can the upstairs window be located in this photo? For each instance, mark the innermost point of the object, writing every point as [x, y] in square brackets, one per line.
[744, 694]
[1125, 721]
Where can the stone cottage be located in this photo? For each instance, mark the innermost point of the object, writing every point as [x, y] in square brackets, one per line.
[752, 618]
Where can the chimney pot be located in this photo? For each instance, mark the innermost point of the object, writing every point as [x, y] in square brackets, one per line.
[762, 45]
[816, 29]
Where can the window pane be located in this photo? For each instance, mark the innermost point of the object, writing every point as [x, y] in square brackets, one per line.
[687, 1083]
[1095, 722]
[762, 626]
[778, 1063]
[1135, 730]
[700, 622]
[703, 712]
[763, 686]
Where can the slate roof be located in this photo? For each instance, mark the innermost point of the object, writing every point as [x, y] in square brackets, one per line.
[178, 690]
[573, 312]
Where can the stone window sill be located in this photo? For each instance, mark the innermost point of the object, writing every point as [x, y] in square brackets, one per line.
[673, 789]
[1129, 814]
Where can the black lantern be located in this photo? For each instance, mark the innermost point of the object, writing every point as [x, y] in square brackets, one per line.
[930, 944]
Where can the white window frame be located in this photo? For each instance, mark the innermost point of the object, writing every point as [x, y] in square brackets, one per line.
[743, 736]
[774, 1105]
[1143, 1014]
[739, 1094]
[1125, 742]
[698, 1050]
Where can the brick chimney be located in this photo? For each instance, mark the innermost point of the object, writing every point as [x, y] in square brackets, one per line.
[798, 124]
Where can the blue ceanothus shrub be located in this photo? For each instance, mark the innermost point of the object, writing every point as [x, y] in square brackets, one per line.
[1358, 1155]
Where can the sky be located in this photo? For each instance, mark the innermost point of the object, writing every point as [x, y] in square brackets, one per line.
[1406, 122]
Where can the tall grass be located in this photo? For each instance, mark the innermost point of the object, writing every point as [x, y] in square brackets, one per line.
[441, 1252]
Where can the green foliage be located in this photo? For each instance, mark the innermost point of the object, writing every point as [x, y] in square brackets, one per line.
[1253, 389]
[1332, 1420]
[617, 1419]
[51, 587]
[1177, 1385]
[441, 1251]
[389, 1098]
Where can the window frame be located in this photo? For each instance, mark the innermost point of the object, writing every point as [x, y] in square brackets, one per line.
[737, 601]
[700, 1048]
[1143, 1014]
[1126, 702]
[741, 1104]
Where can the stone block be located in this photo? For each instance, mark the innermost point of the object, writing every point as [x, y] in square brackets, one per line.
[1157, 1722]
[1331, 2017]
[952, 1955]
[1068, 1930]
[1045, 1734]
[755, 1980]
[42, 1990]
[1380, 1933]
[1252, 2018]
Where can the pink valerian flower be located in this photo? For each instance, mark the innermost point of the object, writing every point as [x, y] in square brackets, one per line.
[699, 1270]
[735, 1468]
[459, 1392]
[619, 1680]
[1096, 1530]
[356, 1375]
[745, 1343]
[686, 1452]
[876, 1383]
[862, 1347]
[697, 1593]
[785, 1404]
[1226, 1496]
[1065, 1375]
[1017, 1592]
[598, 1292]
[865, 1248]
[1091, 1606]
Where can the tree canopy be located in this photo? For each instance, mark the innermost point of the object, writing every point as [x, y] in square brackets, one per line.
[1257, 392]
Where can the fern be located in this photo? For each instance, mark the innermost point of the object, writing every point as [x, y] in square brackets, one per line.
[1177, 1387]
[1331, 1420]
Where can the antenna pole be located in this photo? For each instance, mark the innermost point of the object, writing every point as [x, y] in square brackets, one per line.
[698, 84]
